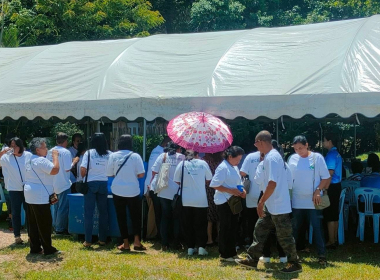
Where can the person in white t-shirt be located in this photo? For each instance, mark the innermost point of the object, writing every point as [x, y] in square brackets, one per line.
[225, 182]
[276, 199]
[196, 173]
[127, 167]
[169, 222]
[97, 188]
[38, 187]
[62, 184]
[152, 198]
[14, 166]
[248, 169]
[310, 178]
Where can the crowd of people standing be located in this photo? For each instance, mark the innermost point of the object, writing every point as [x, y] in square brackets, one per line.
[265, 202]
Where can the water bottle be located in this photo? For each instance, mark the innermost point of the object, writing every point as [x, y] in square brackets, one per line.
[240, 187]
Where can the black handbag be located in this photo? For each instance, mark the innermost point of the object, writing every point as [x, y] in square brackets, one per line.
[80, 186]
[177, 199]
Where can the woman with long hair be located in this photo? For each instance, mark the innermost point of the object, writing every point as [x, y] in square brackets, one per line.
[97, 188]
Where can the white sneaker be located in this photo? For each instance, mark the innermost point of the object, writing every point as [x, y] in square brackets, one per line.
[202, 252]
[190, 251]
[264, 259]
[237, 257]
[284, 260]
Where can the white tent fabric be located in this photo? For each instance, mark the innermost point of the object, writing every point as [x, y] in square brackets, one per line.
[311, 69]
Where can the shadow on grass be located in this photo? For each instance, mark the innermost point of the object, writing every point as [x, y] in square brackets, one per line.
[36, 258]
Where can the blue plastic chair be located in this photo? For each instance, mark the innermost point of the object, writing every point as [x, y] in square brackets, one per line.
[2, 199]
[350, 201]
[341, 223]
[368, 194]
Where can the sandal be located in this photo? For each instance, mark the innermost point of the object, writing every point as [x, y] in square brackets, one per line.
[101, 243]
[322, 261]
[87, 245]
[139, 248]
[123, 249]
[19, 241]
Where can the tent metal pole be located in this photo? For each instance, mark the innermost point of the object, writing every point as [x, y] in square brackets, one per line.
[144, 142]
[88, 132]
[277, 131]
[355, 140]
[98, 126]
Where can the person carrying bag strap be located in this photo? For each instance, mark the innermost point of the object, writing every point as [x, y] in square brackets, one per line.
[177, 199]
[126, 159]
[80, 186]
[19, 170]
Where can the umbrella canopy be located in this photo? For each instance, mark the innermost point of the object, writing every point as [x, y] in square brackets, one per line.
[200, 132]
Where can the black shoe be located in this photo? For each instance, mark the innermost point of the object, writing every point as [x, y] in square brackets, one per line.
[322, 261]
[247, 263]
[292, 268]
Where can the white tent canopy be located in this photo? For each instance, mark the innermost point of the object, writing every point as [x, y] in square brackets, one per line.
[311, 69]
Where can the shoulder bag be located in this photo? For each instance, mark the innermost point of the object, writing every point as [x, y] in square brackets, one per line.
[53, 198]
[80, 186]
[177, 199]
[163, 175]
[126, 159]
[325, 200]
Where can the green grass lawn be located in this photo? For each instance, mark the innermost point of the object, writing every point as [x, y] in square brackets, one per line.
[351, 261]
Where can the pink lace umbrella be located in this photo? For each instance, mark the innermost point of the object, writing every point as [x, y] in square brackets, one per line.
[200, 132]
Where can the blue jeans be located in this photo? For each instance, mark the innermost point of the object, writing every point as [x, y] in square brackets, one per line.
[314, 217]
[61, 211]
[17, 200]
[97, 192]
[168, 223]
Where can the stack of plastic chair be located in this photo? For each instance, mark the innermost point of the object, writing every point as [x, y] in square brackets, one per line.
[350, 187]
[341, 223]
[368, 194]
[2, 199]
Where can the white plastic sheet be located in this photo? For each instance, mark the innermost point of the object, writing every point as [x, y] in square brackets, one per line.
[311, 69]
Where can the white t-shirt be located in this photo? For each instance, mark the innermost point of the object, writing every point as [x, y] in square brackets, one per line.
[174, 160]
[152, 159]
[274, 170]
[12, 173]
[227, 176]
[79, 177]
[126, 183]
[98, 166]
[61, 181]
[196, 172]
[304, 170]
[34, 190]
[249, 167]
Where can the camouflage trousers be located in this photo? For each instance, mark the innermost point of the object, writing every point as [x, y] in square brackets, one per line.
[283, 225]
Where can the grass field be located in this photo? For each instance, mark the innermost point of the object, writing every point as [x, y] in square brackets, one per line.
[351, 261]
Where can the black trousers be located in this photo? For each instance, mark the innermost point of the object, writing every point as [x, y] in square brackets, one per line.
[194, 226]
[227, 231]
[250, 218]
[157, 211]
[134, 207]
[40, 224]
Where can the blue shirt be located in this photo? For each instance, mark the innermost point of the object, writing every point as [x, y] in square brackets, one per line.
[334, 162]
[371, 181]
